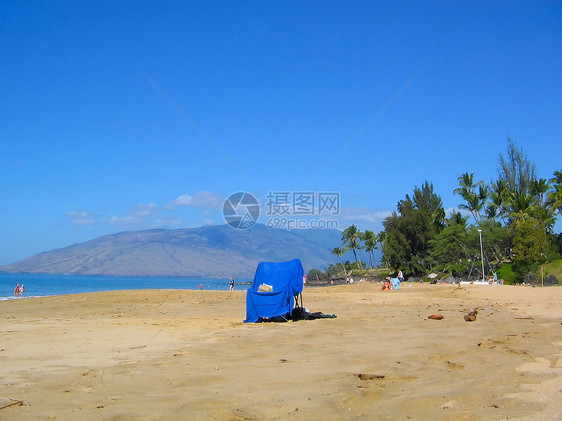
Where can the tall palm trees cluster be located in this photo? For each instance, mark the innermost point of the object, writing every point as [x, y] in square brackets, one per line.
[538, 198]
[353, 240]
[516, 194]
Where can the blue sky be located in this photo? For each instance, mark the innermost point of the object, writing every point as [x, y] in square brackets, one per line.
[124, 115]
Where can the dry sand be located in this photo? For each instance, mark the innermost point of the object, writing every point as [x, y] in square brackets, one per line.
[145, 355]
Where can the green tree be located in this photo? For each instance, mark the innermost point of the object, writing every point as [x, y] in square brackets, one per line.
[497, 201]
[381, 239]
[339, 253]
[541, 209]
[515, 170]
[497, 242]
[520, 204]
[538, 190]
[351, 237]
[529, 207]
[396, 248]
[530, 245]
[450, 250]
[409, 232]
[370, 240]
[315, 274]
[554, 197]
[474, 200]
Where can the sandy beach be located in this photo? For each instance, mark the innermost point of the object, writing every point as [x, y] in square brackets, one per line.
[181, 354]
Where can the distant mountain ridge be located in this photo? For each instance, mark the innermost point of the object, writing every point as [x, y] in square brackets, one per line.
[209, 251]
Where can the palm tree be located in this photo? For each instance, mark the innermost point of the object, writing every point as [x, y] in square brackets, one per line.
[483, 194]
[546, 216]
[541, 209]
[492, 211]
[339, 252]
[538, 189]
[457, 219]
[474, 201]
[474, 204]
[370, 240]
[498, 198]
[350, 238]
[438, 218]
[381, 239]
[554, 197]
[520, 205]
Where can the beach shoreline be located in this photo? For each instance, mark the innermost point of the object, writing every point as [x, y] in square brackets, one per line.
[186, 354]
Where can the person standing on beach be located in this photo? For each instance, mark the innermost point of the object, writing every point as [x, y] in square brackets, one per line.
[17, 290]
[231, 283]
[400, 275]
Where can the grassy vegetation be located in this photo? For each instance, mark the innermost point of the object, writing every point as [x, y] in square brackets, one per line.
[506, 273]
[553, 268]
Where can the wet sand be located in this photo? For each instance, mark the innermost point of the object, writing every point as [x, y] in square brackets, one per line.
[169, 354]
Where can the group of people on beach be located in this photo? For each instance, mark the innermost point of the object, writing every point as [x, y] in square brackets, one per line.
[20, 289]
[393, 283]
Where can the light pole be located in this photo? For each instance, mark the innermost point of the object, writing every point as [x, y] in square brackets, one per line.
[481, 254]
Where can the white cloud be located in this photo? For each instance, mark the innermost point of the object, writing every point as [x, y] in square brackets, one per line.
[207, 221]
[81, 217]
[203, 199]
[364, 215]
[138, 215]
[142, 210]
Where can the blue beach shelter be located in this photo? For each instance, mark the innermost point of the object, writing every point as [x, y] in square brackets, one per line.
[273, 290]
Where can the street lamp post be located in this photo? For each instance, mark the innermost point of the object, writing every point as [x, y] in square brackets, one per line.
[482, 254]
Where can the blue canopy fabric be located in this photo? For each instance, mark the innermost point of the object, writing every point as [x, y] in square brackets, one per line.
[286, 282]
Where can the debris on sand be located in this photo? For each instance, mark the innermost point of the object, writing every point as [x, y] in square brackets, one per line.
[471, 316]
[370, 376]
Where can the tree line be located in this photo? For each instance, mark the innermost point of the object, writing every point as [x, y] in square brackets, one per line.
[511, 218]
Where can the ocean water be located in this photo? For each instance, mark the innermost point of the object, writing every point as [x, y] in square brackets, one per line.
[43, 285]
